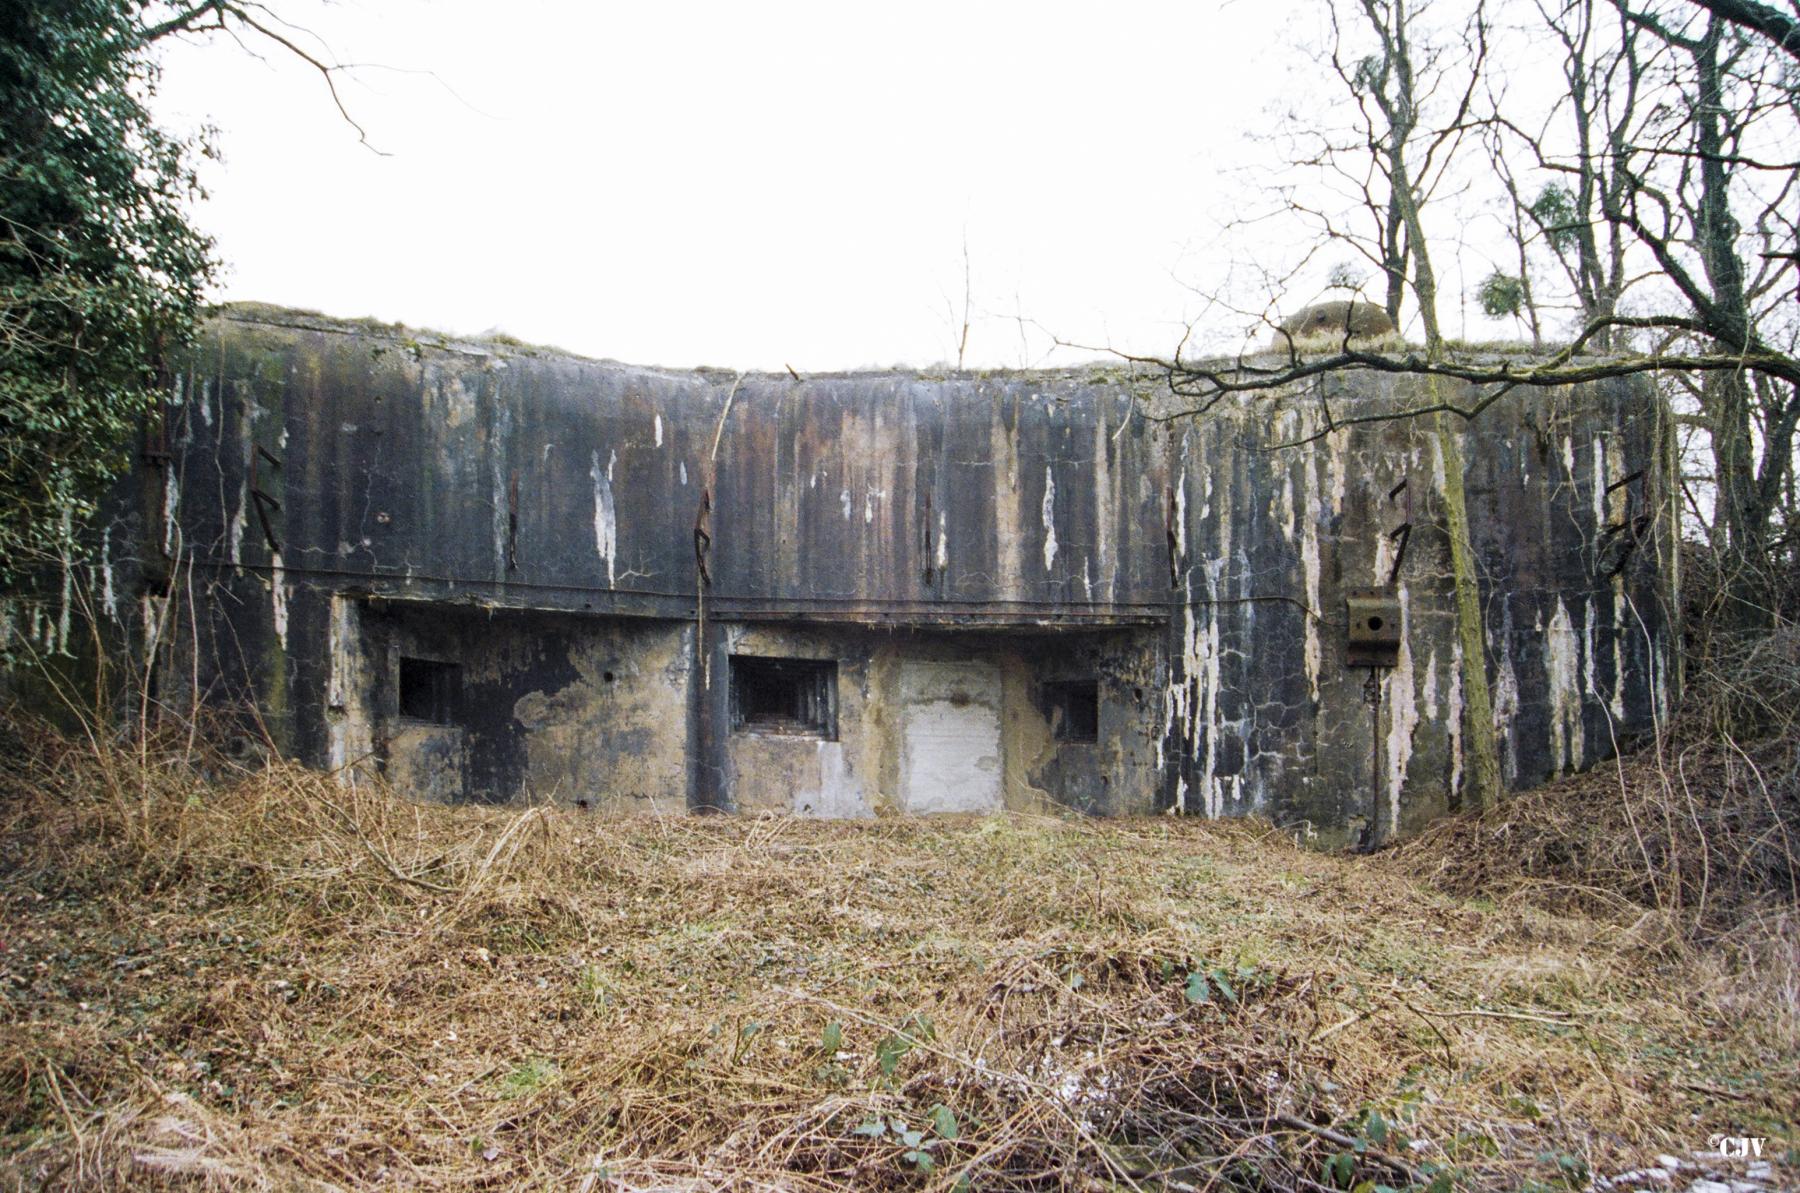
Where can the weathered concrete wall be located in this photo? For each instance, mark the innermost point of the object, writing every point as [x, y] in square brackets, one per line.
[548, 521]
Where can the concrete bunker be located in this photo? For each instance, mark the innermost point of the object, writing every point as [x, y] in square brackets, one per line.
[496, 573]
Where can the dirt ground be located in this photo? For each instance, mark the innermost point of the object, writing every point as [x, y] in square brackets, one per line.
[269, 981]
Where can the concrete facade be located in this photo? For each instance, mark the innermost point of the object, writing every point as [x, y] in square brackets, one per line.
[496, 573]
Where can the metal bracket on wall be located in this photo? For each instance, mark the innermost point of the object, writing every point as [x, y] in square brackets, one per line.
[264, 502]
[1620, 539]
[1402, 533]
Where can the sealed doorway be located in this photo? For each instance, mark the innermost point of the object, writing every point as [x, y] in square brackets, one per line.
[950, 736]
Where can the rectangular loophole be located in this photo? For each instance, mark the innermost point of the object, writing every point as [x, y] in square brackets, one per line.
[792, 696]
[430, 690]
[1073, 707]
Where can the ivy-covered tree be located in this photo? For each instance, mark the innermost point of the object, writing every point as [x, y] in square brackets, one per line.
[101, 272]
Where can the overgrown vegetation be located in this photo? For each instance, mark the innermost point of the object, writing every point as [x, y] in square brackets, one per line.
[100, 272]
[262, 979]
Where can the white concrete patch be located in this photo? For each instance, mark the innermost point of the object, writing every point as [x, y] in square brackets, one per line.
[658, 428]
[839, 796]
[1049, 520]
[950, 736]
[606, 529]
[459, 403]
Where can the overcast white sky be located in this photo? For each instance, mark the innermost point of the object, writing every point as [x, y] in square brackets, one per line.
[750, 185]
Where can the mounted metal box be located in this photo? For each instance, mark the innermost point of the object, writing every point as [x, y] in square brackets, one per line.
[1373, 638]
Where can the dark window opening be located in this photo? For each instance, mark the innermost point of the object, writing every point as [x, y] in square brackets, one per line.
[430, 690]
[797, 696]
[1073, 707]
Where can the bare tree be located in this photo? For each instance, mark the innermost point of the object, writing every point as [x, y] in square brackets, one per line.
[1656, 200]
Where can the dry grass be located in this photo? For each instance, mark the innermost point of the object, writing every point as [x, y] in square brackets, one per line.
[269, 981]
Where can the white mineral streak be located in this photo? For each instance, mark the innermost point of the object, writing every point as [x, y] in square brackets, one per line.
[1568, 454]
[108, 597]
[1334, 444]
[1193, 704]
[68, 581]
[869, 496]
[339, 685]
[1310, 572]
[1506, 697]
[1049, 520]
[1103, 498]
[1562, 672]
[1659, 688]
[606, 528]
[658, 426]
[1283, 501]
[501, 503]
[171, 511]
[234, 534]
[844, 498]
[152, 608]
[1428, 688]
[942, 558]
[1590, 675]
[1200, 656]
[683, 466]
[279, 598]
[1402, 715]
[1181, 501]
[1175, 696]
[1453, 715]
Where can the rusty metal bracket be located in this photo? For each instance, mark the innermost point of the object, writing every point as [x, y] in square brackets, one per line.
[1401, 533]
[264, 501]
[1616, 552]
[1623, 481]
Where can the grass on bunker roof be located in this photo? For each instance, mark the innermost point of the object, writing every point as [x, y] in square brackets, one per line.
[270, 981]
